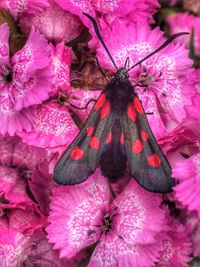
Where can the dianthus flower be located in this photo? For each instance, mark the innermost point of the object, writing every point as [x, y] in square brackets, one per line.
[177, 247]
[25, 80]
[55, 23]
[124, 230]
[30, 6]
[188, 189]
[14, 246]
[160, 81]
[177, 24]
[16, 166]
[135, 10]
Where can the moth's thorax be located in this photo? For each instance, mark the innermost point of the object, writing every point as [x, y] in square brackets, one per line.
[120, 91]
[121, 75]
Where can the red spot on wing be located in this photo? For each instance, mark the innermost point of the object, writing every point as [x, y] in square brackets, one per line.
[131, 112]
[138, 105]
[144, 136]
[94, 142]
[77, 153]
[137, 146]
[100, 102]
[109, 138]
[90, 130]
[122, 138]
[154, 160]
[105, 110]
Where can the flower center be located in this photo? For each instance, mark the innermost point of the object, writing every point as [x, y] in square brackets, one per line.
[145, 79]
[107, 223]
[24, 172]
[6, 74]
[62, 99]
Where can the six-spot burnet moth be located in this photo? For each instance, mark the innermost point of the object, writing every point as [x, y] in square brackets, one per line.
[116, 133]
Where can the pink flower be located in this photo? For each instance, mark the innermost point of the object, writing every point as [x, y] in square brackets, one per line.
[24, 81]
[177, 24]
[77, 8]
[80, 98]
[52, 127]
[183, 139]
[25, 221]
[42, 254]
[40, 185]
[61, 60]
[177, 247]
[30, 6]
[17, 165]
[193, 228]
[160, 81]
[125, 230]
[188, 189]
[13, 188]
[14, 246]
[18, 155]
[135, 10]
[55, 23]
[194, 109]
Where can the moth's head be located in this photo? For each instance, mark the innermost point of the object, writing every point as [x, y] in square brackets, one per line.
[121, 74]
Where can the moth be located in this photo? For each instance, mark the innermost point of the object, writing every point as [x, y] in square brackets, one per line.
[117, 134]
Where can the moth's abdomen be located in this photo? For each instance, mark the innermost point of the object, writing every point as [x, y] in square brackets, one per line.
[113, 158]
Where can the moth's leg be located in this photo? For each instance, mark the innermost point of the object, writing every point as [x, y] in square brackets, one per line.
[86, 106]
[78, 121]
[99, 67]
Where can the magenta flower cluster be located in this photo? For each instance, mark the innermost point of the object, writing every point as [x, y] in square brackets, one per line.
[44, 224]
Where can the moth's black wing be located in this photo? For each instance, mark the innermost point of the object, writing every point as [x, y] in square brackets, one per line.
[82, 156]
[148, 165]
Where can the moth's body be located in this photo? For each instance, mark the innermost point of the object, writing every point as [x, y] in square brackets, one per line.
[116, 133]
[113, 158]
[119, 92]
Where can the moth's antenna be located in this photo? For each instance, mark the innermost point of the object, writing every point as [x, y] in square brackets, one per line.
[100, 38]
[169, 40]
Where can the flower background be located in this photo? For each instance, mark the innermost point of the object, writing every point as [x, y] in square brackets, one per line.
[48, 52]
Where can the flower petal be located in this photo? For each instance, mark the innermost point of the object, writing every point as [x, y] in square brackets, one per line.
[76, 215]
[30, 6]
[31, 80]
[53, 127]
[14, 247]
[188, 190]
[4, 47]
[138, 215]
